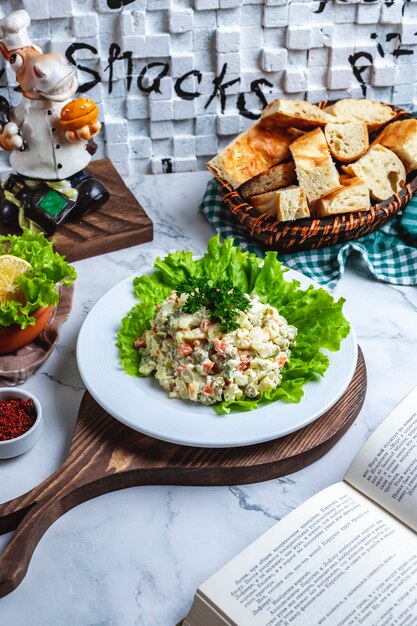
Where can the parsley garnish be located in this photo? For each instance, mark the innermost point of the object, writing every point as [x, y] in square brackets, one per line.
[223, 300]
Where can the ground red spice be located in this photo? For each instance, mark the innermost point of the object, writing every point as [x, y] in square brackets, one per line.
[16, 417]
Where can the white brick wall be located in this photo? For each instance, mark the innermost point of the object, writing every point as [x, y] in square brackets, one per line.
[177, 79]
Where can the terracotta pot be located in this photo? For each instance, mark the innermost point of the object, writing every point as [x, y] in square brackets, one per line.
[13, 337]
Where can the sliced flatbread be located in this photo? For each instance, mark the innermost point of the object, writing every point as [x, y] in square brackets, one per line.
[381, 170]
[265, 202]
[401, 138]
[296, 113]
[285, 204]
[347, 142]
[352, 196]
[275, 177]
[251, 153]
[374, 113]
[316, 172]
[292, 204]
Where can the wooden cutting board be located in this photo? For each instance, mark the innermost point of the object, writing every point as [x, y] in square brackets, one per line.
[105, 456]
[119, 223]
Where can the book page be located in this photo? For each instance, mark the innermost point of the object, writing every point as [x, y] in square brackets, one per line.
[337, 559]
[385, 469]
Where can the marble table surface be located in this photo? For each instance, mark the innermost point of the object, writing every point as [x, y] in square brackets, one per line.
[135, 557]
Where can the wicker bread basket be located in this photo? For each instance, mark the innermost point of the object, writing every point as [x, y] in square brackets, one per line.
[306, 234]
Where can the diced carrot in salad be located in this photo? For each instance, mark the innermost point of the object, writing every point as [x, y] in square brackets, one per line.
[208, 389]
[140, 342]
[185, 349]
[244, 365]
[208, 366]
[220, 345]
[282, 359]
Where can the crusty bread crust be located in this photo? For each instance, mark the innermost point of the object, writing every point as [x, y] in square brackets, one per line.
[347, 142]
[297, 113]
[275, 177]
[251, 153]
[381, 170]
[374, 113]
[285, 204]
[352, 196]
[316, 172]
[266, 202]
[401, 138]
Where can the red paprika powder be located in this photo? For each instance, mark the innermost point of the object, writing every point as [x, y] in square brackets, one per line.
[16, 417]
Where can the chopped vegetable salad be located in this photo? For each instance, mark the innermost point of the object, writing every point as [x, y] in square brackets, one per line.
[193, 359]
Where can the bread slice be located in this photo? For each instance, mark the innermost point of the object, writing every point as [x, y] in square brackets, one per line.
[284, 204]
[292, 204]
[296, 113]
[347, 142]
[265, 202]
[401, 138]
[381, 170]
[316, 172]
[352, 196]
[251, 153]
[275, 177]
[374, 113]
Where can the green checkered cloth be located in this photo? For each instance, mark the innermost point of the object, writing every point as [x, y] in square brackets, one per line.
[389, 254]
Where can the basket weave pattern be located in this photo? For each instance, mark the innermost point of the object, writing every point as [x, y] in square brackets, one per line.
[306, 234]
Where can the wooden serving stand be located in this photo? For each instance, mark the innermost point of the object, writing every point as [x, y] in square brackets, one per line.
[106, 456]
[119, 223]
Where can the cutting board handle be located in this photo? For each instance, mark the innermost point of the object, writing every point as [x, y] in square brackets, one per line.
[15, 560]
[32, 518]
[64, 490]
[90, 470]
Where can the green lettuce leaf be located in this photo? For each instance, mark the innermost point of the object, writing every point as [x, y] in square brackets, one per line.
[48, 268]
[177, 267]
[317, 316]
[133, 325]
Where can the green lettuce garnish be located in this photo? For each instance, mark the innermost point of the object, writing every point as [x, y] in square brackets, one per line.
[317, 316]
[48, 268]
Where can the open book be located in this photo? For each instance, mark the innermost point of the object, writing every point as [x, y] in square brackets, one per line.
[347, 556]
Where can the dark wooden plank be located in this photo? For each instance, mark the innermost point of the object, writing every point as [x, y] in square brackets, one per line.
[120, 223]
[106, 456]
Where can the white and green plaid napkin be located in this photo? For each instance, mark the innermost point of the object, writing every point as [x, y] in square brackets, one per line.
[389, 254]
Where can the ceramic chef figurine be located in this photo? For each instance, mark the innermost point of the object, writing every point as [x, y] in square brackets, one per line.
[48, 135]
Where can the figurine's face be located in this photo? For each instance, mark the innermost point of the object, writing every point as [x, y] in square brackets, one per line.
[43, 75]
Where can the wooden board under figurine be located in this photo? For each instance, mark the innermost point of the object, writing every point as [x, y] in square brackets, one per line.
[119, 223]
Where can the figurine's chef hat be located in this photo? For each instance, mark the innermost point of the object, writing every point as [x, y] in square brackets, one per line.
[13, 31]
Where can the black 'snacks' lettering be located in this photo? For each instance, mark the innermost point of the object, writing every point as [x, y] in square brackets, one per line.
[70, 56]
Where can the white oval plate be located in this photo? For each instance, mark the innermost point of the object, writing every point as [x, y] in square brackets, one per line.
[143, 405]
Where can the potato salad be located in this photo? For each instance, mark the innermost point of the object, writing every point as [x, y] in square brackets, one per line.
[193, 359]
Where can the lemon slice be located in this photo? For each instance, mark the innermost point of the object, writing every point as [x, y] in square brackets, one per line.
[11, 268]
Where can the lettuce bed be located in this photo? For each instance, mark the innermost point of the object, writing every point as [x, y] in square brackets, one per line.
[314, 312]
[39, 283]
